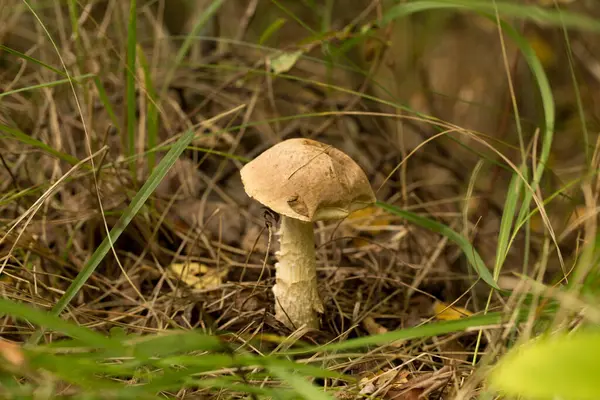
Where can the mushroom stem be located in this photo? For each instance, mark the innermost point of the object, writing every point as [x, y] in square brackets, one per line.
[297, 298]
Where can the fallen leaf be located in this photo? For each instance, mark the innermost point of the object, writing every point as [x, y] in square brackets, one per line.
[390, 379]
[367, 219]
[283, 62]
[373, 327]
[445, 312]
[12, 353]
[198, 276]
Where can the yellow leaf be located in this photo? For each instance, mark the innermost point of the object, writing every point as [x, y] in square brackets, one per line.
[445, 312]
[359, 242]
[198, 276]
[369, 218]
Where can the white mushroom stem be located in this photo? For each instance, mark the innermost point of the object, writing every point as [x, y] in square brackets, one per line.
[297, 300]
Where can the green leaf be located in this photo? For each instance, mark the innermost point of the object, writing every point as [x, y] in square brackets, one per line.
[474, 258]
[563, 367]
[300, 384]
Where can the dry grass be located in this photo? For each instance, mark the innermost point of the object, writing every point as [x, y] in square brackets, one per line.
[377, 273]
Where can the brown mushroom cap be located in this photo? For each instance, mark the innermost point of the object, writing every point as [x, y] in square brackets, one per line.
[307, 180]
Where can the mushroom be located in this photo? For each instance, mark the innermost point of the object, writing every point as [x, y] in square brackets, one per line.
[304, 181]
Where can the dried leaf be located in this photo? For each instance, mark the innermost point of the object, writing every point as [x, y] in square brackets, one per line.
[367, 219]
[373, 327]
[390, 379]
[283, 62]
[198, 276]
[445, 312]
[12, 353]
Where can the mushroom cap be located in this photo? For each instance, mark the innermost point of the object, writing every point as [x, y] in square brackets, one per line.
[307, 180]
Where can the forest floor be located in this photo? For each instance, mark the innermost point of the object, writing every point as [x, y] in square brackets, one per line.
[136, 122]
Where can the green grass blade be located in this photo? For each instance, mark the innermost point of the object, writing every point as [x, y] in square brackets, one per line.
[75, 79]
[31, 59]
[549, 112]
[474, 258]
[204, 362]
[304, 369]
[180, 342]
[219, 153]
[422, 331]
[43, 318]
[106, 102]
[271, 30]
[534, 13]
[508, 215]
[300, 384]
[136, 204]
[203, 19]
[132, 209]
[87, 372]
[231, 383]
[27, 139]
[531, 12]
[130, 72]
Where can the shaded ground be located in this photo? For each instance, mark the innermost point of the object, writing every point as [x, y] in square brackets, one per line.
[376, 271]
